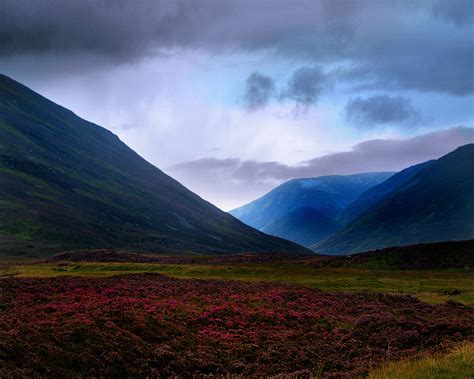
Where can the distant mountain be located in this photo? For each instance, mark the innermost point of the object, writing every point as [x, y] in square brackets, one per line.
[436, 203]
[314, 200]
[303, 226]
[66, 183]
[374, 194]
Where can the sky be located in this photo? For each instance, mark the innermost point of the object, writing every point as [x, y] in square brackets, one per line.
[232, 98]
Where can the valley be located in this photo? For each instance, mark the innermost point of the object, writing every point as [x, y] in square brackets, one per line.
[111, 268]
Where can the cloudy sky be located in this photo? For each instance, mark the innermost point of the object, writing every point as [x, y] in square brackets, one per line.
[234, 97]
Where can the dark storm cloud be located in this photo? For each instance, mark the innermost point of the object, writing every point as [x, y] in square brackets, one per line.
[120, 29]
[381, 109]
[259, 89]
[396, 44]
[130, 29]
[247, 179]
[434, 57]
[305, 86]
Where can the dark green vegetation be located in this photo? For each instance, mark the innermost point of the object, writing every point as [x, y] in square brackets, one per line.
[305, 210]
[428, 256]
[67, 183]
[436, 203]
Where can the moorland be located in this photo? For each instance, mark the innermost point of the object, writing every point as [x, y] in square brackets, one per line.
[108, 313]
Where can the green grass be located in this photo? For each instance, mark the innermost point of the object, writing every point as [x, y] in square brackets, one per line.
[429, 286]
[459, 363]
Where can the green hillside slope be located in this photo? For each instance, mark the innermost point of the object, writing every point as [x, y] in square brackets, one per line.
[67, 183]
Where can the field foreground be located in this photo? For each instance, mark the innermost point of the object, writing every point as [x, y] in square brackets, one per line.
[153, 325]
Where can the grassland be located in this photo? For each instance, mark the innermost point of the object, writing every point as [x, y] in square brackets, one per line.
[432, 286]
[459, 363]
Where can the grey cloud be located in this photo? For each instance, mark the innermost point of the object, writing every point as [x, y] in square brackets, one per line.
[118, 29]
[408, 46]
[129, 29]
[458, 12]
[431, 58]
[305, 86]
[228, 182]
[233, 182]
[381, 109]
[259, 89]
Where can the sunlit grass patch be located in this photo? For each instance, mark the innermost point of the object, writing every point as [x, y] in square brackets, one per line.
[459, 363]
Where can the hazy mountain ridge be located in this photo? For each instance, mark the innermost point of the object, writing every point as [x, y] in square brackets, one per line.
[326, 195]
[68, 183]
[436, 203]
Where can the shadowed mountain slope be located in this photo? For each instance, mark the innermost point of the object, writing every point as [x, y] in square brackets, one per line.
[434, 204]
[375, 194]
[306, 209]
[303, 225]
[67, 183]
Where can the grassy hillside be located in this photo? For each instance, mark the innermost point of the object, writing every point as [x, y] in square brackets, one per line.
[67, 183]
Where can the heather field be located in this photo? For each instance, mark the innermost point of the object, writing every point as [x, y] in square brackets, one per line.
[433, 286]
[109, 314]
[151, 325]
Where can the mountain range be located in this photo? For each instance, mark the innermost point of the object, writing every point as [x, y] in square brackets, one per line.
[67, 183]
[306, 210]
[428, 202]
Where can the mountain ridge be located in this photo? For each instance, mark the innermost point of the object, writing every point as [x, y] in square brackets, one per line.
[328, 195]
[68, 183]
[377, 193]
[435, 204]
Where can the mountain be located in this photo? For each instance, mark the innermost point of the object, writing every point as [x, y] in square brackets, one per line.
[374, 194]
[436, 203]
[67, 183]
[326, 196]
[303, 226]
